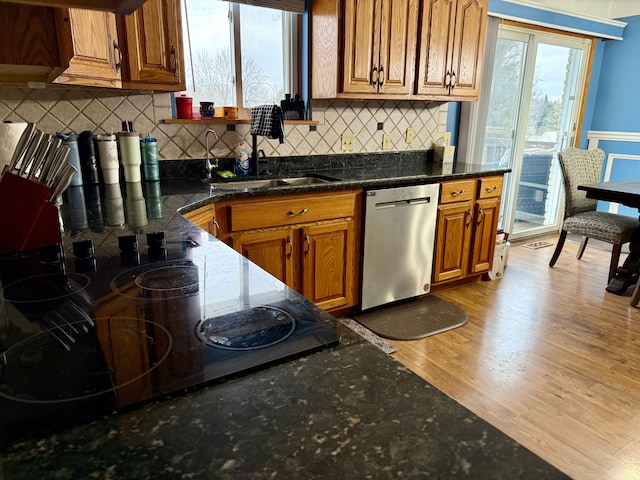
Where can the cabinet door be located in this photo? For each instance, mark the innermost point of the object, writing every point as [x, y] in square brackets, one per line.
[453, 238]
[89, 40]
[361, 45]
[328, 264]
[484, 236]
[399, 30]
[272, 250]
[152, 40]
[436, 39]
[468, 47]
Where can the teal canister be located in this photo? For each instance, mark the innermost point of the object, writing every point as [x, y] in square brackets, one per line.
[150, 165]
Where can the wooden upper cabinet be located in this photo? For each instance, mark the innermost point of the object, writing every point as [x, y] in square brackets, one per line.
[88, 38]
[451, 47]
[152, 42]
[468, 46]
[397, 49]
[115, 6]
[29, 44]
[362, 45]
[380, 41]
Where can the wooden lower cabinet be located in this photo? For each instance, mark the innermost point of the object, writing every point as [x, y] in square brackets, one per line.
[272, 250]
[453, 234]
[487, 213]
[329, 274]
[204, 218]
[310, 242]
[467, 223]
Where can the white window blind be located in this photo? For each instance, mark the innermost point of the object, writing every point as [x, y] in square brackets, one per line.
[296, 6]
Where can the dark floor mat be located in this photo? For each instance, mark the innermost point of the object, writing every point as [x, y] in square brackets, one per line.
[413, 319]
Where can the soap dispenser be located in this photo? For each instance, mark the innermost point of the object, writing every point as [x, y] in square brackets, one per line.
[242, 159]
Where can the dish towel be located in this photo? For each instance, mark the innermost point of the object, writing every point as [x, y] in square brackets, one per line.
[268, 121]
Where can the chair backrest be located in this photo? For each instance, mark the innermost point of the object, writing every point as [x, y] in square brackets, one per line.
[578, 168]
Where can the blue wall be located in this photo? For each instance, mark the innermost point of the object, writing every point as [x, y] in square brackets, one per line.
[617, 106]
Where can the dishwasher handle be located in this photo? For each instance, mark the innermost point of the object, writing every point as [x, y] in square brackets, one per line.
[403, 203]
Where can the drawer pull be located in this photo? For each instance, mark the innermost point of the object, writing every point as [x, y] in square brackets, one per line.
[469, 216]
[291, 213]
[480, 216]
[290, 247]
[455, 194]
[217, 225]
[489, 190]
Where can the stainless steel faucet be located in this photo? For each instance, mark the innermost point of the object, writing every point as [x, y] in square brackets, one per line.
[210, 165]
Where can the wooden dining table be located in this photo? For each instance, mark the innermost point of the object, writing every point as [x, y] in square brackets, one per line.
[625, 192]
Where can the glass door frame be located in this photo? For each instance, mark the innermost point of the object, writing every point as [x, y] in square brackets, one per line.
[473, 122]
[555, 191]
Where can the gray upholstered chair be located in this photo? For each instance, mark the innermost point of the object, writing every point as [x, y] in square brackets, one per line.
[580, 167]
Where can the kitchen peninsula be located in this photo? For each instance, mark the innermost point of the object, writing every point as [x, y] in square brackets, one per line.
[338, 409]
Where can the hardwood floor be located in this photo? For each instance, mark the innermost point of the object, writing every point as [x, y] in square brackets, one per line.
[548, 357]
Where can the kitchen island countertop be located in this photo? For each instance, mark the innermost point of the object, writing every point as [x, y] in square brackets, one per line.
[347, 411]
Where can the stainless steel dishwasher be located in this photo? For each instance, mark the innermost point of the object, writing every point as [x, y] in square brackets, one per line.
[399, 232]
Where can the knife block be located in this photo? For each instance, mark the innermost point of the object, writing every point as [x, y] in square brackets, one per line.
[27, 220]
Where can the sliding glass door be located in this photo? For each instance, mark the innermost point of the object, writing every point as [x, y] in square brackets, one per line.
[532, 113]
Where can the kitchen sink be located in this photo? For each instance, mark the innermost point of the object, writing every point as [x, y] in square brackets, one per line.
[269, 183]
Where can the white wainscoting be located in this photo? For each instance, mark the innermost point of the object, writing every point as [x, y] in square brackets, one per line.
[595, 137]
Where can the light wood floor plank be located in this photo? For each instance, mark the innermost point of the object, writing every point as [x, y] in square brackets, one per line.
[548, 357]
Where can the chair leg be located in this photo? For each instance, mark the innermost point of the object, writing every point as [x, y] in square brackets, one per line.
[583, 245]
[615, 258]
[559, 245]
[635, 296]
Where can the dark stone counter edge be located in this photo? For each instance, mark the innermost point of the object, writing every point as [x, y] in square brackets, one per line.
[216, 195]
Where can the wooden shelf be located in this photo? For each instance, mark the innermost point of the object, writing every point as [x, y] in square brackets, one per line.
[237, 121]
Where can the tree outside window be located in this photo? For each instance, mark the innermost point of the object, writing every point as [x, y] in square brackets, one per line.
[210, 27]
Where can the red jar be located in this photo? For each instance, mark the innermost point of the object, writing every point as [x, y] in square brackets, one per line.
[184, 107]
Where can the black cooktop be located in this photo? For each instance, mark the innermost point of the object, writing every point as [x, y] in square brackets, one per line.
[86, 331]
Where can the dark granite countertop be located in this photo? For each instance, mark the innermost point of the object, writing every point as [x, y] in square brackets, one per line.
[349, 411]
[368, 171]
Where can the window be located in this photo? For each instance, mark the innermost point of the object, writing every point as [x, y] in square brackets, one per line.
[239, 55]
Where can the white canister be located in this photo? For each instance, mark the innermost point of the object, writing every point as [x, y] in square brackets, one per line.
[130, 156]
[114, 204]
[108, 158]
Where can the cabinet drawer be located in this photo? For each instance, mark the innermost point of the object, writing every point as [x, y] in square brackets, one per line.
[458, 191]
[290, 210]
[490, 187]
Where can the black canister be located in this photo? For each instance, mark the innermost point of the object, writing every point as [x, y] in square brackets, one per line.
[88, 162]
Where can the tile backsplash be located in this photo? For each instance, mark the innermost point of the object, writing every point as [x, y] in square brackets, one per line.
[59, 109]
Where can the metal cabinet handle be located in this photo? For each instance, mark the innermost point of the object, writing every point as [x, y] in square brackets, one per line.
[119, 52]
[454, 80]
[290, 242]
[381, 76]
[447, 79]
[174, 56]
[217, 225]
[455, 194]
[469, 217]
[375, 76]
[489, 189]
[291, 213]
[308, 242]
[480, 216]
